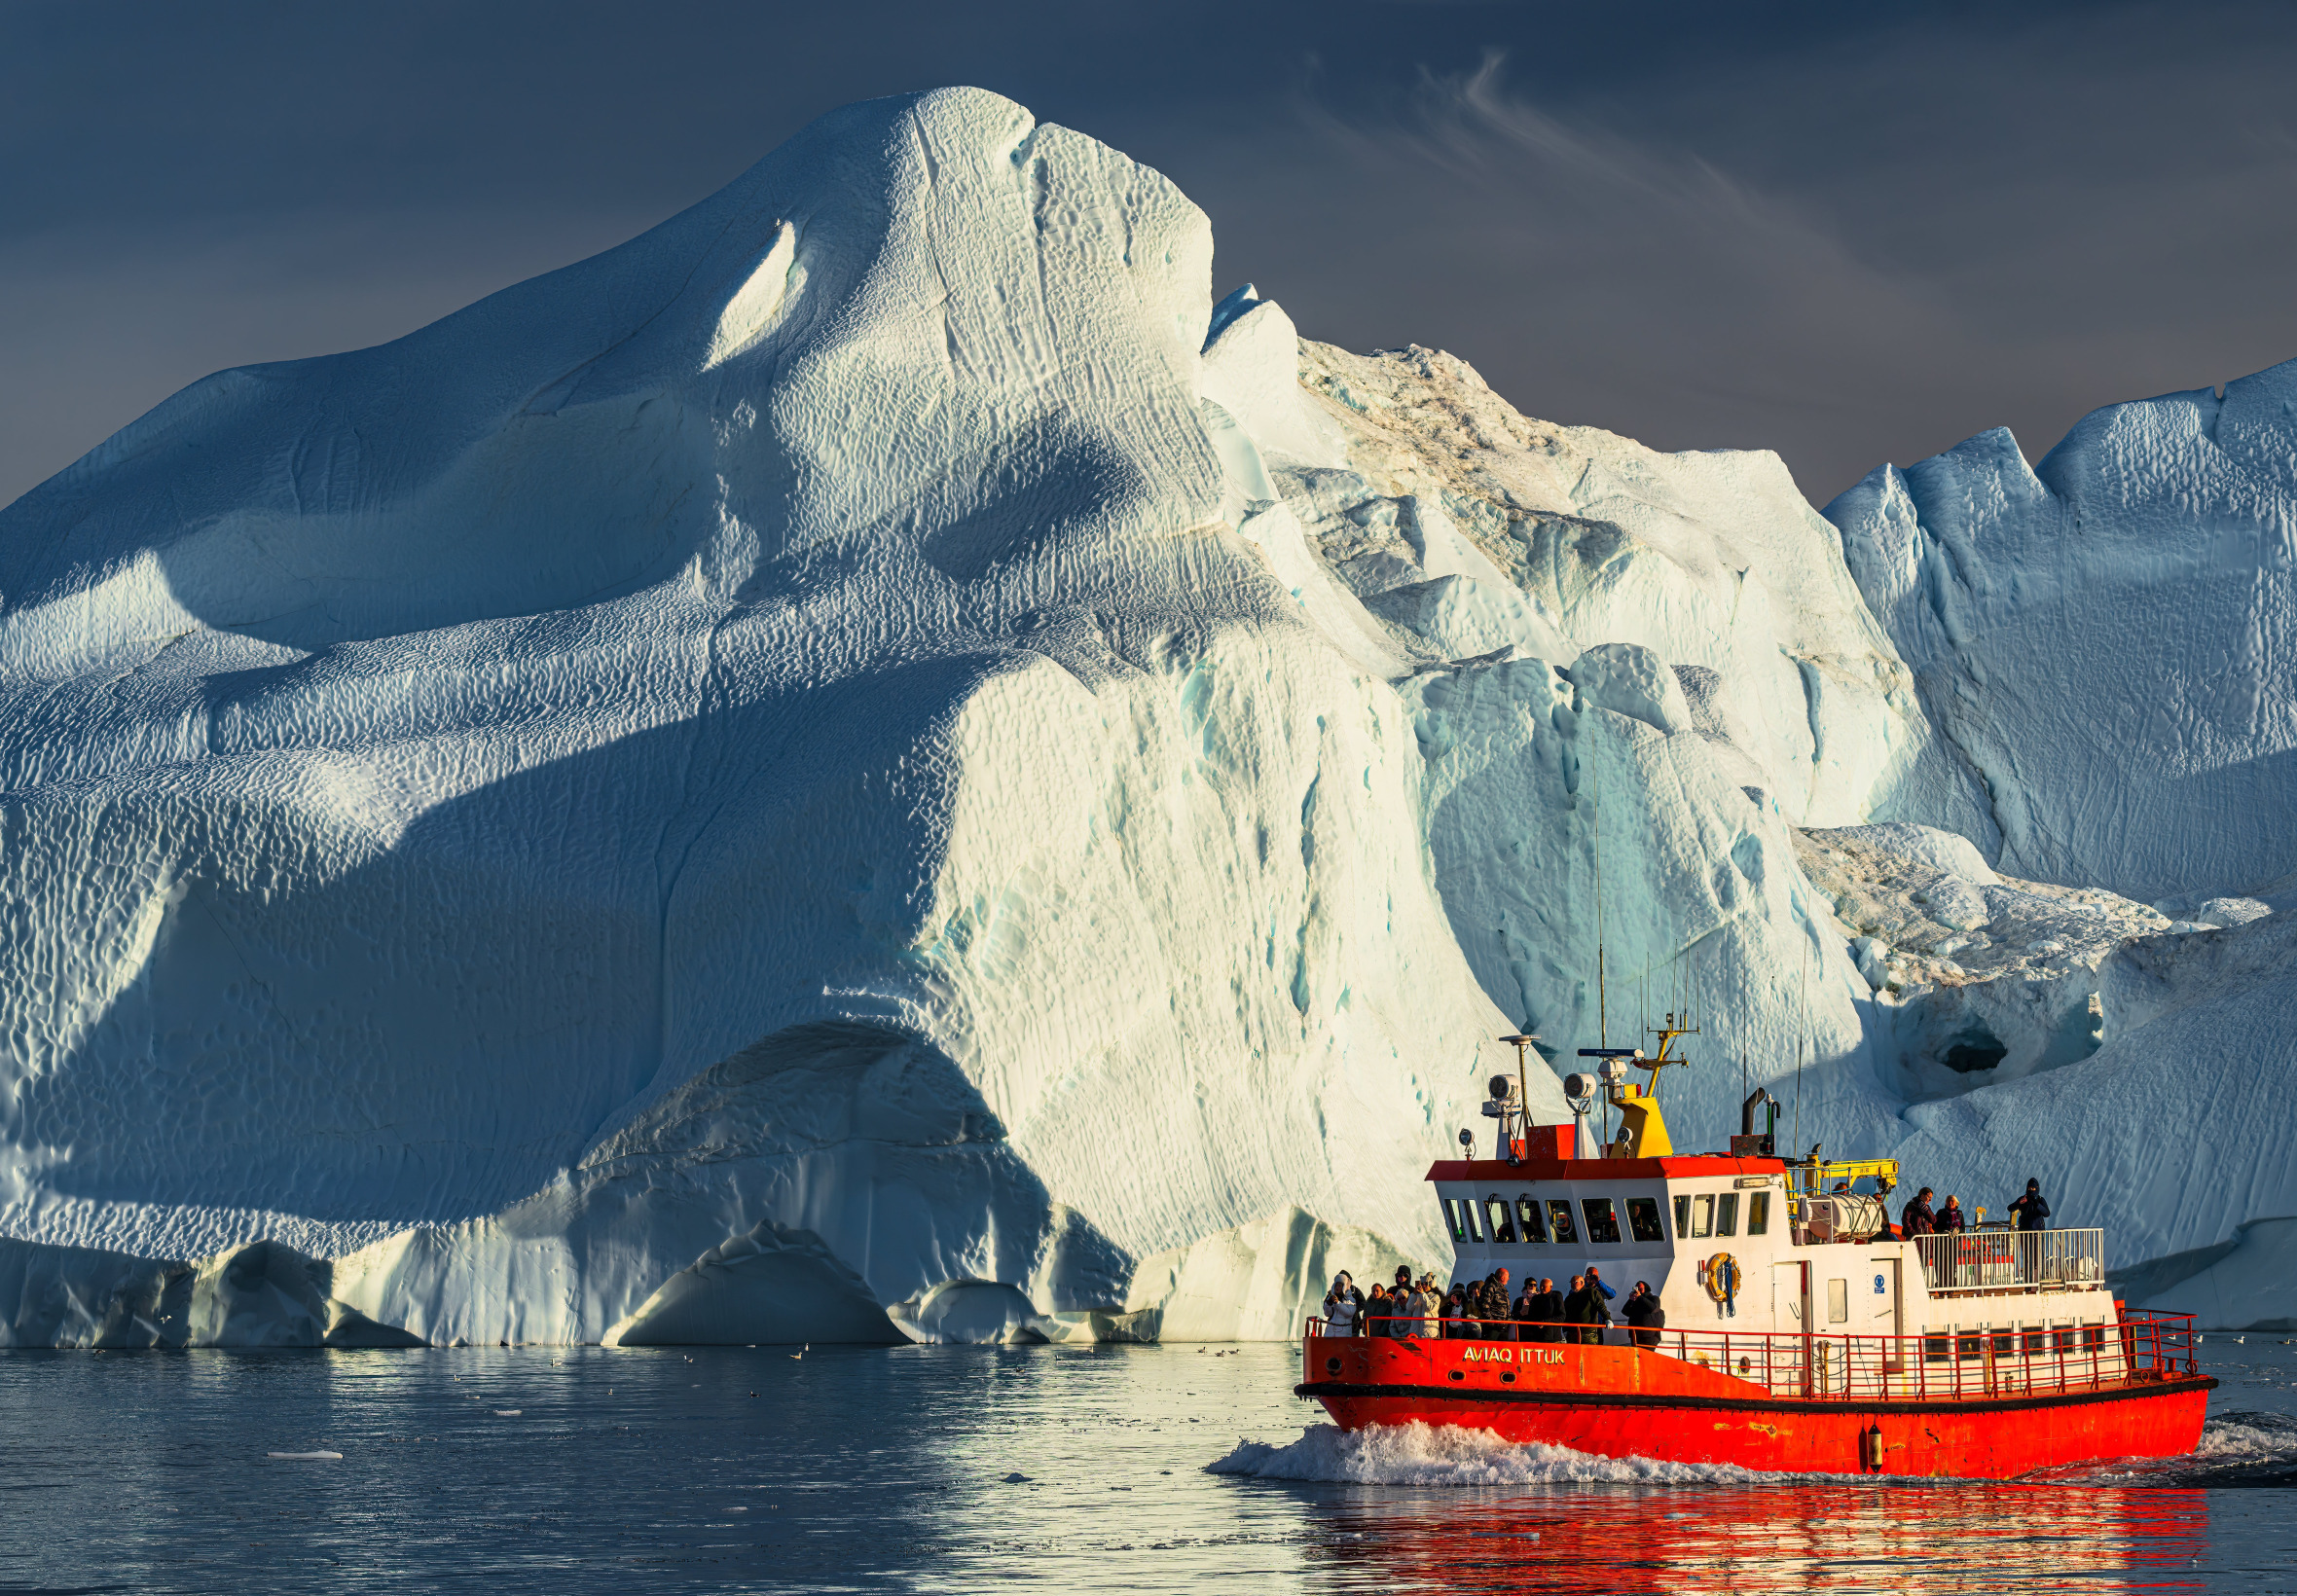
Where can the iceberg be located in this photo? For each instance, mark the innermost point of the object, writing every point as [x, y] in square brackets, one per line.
[875, 764]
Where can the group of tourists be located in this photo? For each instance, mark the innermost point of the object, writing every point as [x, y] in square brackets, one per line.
[1919, 1219]
[1482, 1310]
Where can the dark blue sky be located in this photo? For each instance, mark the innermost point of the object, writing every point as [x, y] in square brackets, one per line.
[1847, 232]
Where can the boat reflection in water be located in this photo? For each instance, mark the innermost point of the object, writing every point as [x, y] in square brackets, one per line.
[1818, 1535]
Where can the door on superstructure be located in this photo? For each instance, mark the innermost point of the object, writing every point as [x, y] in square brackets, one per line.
[1877, 1309]
[1790, 1324]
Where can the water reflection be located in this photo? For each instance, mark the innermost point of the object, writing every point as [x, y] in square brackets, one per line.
[962, 1470]
[1822, 1536]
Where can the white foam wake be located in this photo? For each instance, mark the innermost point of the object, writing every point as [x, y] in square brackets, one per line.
[1420, 1454]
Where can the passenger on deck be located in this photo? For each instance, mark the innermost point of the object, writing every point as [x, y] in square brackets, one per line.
[2030, 1211]
[1426, 1303]
[1496, 1324]
[1952, 1220]
[1584, 1309]
[1595, 1283]
[1643, 1313]
[1916, 1218]
[1373, 1315]
[1397, 1305]
[1340, 1305]
[1546, 1311]
[1520, 1311]
[1458, 1323]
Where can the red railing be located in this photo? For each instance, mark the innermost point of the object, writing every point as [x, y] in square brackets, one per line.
[1939, 1367]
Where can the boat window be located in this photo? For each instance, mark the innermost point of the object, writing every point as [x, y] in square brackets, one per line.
[1682, 1216]
[1969, 1344]
[1451, 1217]
[1702, 1216]
[1559, 1222]
[1759, 1214]
[1837, 1302]
[2005, 1344]
[1527, 1209]
[1643, 1220]
[2094, 1338]
[1934, 1349]
[2062, 1340]
[1468, 1218]
[2030, 1342]
[1727, 1213]
[1602, 1219]
[1495, 1214]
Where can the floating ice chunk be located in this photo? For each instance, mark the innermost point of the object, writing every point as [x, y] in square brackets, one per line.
[305, 1457]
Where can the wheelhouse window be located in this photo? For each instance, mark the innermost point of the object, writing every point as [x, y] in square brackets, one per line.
[1451, 1219]
[1602, 1219]
[1559, 1222]
[1527, 1211]
[1682, 1216]
[1643, 1220]
[1694, 1216]
[1759, 1214]
[1727, 1213]
[1495, 1214]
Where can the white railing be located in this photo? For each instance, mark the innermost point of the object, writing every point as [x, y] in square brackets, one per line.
[2012, 1260]
[1937, 1365]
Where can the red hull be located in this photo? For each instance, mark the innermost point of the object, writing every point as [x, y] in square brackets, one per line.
[1620, 1401]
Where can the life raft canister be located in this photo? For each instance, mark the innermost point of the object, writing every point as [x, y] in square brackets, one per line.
[1720, 1275]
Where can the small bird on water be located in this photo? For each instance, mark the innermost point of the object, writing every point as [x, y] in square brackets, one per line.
[802, 1351]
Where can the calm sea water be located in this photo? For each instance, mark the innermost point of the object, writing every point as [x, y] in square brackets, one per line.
[947, 1468]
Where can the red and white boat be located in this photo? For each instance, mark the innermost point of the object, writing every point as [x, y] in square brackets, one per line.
[1803, 1334]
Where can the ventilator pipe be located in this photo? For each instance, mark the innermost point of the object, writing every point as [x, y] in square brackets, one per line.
[1746, 1112]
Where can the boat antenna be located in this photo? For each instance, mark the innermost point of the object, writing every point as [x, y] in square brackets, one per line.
[1602, 990]
[1801, 1028]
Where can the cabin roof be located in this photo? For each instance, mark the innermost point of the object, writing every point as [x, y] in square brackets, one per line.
[1675, 1166]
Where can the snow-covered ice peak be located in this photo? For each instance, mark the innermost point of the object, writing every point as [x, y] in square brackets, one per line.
[765, 779]
[870, 763]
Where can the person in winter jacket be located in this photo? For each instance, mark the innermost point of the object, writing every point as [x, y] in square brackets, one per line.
[1495, 1307]
[1952, 1220]
[1547, 1312]
[1341, 1304]
[1595, 1283]
[1458, 1323]
[1918, 1218]
[2030, 1211]
[1643, 1313]
[1583, 1310]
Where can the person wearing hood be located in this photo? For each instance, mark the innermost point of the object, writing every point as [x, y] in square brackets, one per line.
[2030, 1211]
[1341, 1304]
[1952, 1220]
